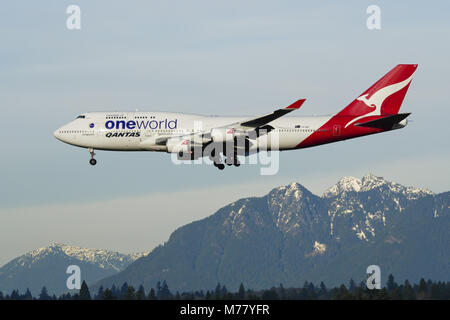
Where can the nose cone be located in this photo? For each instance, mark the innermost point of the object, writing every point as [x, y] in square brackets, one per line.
[66, 134]
[57, 134]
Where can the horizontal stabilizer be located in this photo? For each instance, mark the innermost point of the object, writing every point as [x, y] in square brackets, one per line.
[384, 123]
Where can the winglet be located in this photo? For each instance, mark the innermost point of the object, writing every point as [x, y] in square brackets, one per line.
[296, 105]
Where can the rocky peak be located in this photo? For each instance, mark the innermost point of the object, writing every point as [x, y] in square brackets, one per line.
[371, 182]
[345, 184]
[293, 191]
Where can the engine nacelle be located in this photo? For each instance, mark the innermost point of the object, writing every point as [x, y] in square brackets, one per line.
[185, 149]
[222, 135]
[175, 145]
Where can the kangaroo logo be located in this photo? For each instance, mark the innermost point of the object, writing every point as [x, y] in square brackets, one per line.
[377, 99]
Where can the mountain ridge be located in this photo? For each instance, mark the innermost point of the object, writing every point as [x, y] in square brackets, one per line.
[46, 266]
[291, 235]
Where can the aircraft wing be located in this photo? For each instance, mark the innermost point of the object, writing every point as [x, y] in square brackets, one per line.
[253, 127]
[258, 125]
[265, 119]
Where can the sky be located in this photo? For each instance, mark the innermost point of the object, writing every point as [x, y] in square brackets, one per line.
[204, 57]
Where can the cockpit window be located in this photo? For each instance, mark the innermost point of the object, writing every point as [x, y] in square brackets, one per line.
[81, 117]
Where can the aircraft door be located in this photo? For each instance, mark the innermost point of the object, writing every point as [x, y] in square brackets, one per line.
[337, 130]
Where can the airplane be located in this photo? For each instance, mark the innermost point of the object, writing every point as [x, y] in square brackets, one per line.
[223, 139]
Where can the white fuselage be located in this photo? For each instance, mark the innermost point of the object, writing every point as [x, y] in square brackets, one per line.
[139, 131]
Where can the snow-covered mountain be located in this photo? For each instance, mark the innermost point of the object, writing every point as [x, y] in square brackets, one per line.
[367, 204]
[104, 259]
[291, 235]
[47, 266]
[288, 236]
[370, 182]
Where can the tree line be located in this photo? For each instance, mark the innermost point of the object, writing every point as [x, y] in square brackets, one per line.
[424, 290]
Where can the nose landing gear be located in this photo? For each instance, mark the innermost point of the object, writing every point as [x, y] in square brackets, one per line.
[92, 161]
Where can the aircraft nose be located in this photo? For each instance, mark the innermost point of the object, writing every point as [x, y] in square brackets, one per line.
[57, 134]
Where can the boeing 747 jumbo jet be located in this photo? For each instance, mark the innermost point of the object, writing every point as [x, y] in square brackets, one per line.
[223, 139]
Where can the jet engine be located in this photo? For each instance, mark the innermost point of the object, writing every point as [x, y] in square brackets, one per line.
[177, 145]
[222, 135]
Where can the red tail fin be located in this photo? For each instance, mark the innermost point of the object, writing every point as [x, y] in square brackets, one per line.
[386, 95]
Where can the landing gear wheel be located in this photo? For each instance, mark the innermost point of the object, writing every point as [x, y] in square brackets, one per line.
[219, 166]
[92, 161]
[231, 160]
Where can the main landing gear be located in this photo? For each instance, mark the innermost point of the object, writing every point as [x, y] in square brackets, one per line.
[92, 161]
[229, 161]
[232, 161]
[219, 165]
[217, 161]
